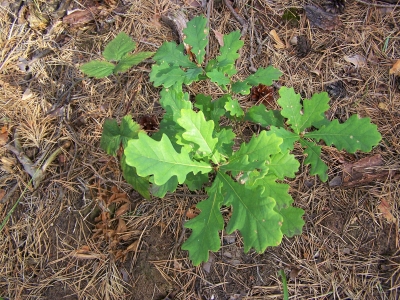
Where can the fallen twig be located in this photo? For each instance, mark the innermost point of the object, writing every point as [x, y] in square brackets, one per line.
[242, 21]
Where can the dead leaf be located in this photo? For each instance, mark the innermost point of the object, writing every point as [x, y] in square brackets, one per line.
[27, 94]
[385, 209]
[122, 209]
[294, 272]
[219, 36]
[177, 265]
[80, 17]
[320, 18]
[155, 21]
[279, 44]
[357, 60]
[121, 228]
[3, 135]
[192, 212]
[395, 69]
[149, 122]
[133, 246]
[2, 194]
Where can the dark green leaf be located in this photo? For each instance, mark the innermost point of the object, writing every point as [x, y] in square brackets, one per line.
[97, 68]
[119, 47]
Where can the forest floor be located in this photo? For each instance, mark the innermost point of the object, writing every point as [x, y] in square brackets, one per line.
[349, 248]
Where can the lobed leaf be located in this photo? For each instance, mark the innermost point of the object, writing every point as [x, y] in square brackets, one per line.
[260, 115]
[318, 166]
[140, 184]
[159, 158]
[264, 75]
[131, 60]
[198, 130]
[283, 165]
[352, 135]
[233, 107]
[118, 47]
[206, 226]
[289, 138]
[314, 110]
[161, 190]
[196, 34]
[213, 110]
[195, 182]
[229, 51]
[291, 107]
[113, 135]
[172, 54]
[218, 77]
[292, 221]
[173, 100]
[167, 75]
[253, 214]
[97, 68]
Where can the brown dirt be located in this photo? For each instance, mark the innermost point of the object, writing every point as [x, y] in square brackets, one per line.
[348, 249]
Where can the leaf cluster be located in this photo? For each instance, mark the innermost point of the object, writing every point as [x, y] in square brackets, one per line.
[119, 59]
[192, 148]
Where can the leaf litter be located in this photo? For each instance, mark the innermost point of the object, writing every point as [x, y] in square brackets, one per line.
[352, 204]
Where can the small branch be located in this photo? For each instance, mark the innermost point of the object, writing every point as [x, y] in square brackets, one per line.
[242, 21]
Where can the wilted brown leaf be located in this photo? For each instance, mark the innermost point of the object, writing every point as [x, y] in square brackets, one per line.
[279, 44]
[357, 60]
[219, 36]
[3, 135]
[385, 208]
[192, 212]
[2, 194]
[81, 17]
[395, 69]
[122, 209]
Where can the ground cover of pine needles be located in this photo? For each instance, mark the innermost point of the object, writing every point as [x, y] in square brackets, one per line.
[60, 243]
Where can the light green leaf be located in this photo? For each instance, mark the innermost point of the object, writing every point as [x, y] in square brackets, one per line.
[233, 107]
[314, 109]
[283, 165]
[173, 100]
[259, 114]
[226, 139]
[118, 47]
[318, 166]
[113, 135]
[206, 226]
[198, 130]
[278, 191]
[243, 164]
[352, 135]
[292, 221]
[213, 110]
[160, 159]
[218, 77]
[161, 190]
[291, 107]
[192, 75]
[131, 60]
[232, 44]
[196, 182]
[253, 215]
[166, 75]
[140, 184]
[97, 68]
[264, 75]
[259, 148]
[197, 37]
[289, 138]
[172, 54]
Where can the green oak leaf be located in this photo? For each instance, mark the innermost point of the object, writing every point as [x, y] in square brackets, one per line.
[218, 77]
[166, 75]
[192, 75]
[291, 107]
[97, 68]
[289, 138]
[259, 114]
[226, 139]
[352, 135]
[198, 130]
[197, 36]
[206, 226]
[283, 165]
[243, 164]
[292, 221]
[173, 54]
[131, 60]
[118, 47]
[213, 110]
[232, 44]
[278, 191]
[161, 190]
[241, 87]
[160, 159]
[254, 215]
[233, 107]
[140, 184]
[264, 75]
[318, 166]
[173, 100]
[259, 148]
[113, 135]
[314, 110]
[196, 182]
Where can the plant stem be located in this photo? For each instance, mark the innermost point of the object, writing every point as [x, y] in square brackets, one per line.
[284, 284]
